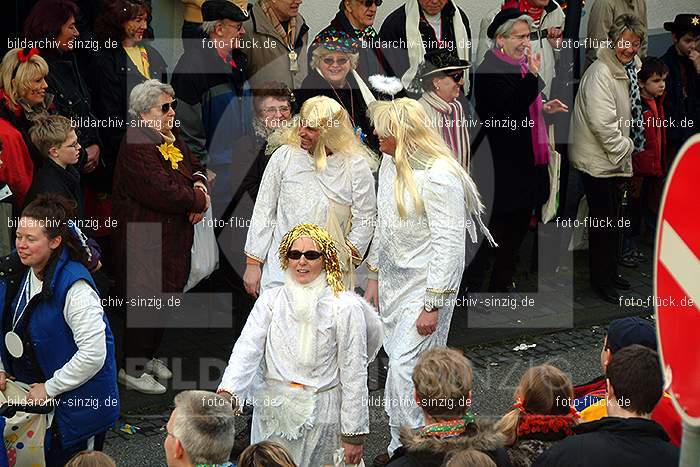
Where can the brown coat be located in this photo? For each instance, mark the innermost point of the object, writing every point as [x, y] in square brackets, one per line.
[148, 190]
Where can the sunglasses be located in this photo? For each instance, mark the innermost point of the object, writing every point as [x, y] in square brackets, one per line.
[457, 77]
[340, 61]
[369, 3]
[310, 255]
[165, 108]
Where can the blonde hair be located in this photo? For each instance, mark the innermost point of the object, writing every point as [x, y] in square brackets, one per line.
[265, 454]
[16, 77]
[327, 116]
[321, 52]
[443, 380]
[91, 459]
[468, 458]
[543, 390]
[418, 147]
[49, 132]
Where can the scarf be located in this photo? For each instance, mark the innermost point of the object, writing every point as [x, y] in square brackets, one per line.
[540, 141]
[414, 42]
[448, 118]
[447, 429]
[637, 129]
[525, 6]
[290, 35]
[304, 301]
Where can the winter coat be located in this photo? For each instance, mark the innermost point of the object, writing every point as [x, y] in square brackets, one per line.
[679, 106]
[650, 161]
[148, 189]
[417, 451]
[553, 17]
[503, 98]
[530, 446]
[613, 442]
[601, 17]
[17, 169]
[601, 143]
[52, 178]
[268, 55]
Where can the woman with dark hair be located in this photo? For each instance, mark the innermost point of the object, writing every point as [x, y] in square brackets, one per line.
[56, 335]
[117, 70]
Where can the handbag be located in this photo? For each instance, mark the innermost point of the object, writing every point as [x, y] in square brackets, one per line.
[205, 251]
[551, 206]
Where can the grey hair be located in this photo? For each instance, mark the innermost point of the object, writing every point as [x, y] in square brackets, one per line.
[505, 28]
[209, 26]
[626, 22]
[145, 96]
[320, 52]
[205, 425]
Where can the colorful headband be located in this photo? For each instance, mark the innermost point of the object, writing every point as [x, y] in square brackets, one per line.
[325, 243]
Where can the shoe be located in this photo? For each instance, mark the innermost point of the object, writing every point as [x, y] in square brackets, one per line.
[622, 283]
[608, 294]
[627, 261]
[158, 369]
[144, 383]
[381, 460]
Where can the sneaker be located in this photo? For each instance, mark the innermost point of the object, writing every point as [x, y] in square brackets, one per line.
[145, 383]
[158, 369]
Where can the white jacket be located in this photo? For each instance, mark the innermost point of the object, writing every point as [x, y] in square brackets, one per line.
[601, 144]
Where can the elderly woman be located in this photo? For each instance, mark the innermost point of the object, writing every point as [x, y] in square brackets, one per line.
[116, 70]
[22, 95]
[508, 96]
[312, 343]
[303, 183]
[157, 180]
[442, 79]
[607, 130]
[333, 74]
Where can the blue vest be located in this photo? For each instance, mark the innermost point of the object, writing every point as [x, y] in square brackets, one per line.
[93, 407]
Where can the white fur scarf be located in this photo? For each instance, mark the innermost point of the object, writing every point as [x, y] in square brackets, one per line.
[304, 302]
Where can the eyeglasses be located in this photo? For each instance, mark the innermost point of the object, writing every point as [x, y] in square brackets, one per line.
[310, 255]
[369, 3]
[340, 61]
[273, 110]
[457, 77]
[165, 108]
[75, 145]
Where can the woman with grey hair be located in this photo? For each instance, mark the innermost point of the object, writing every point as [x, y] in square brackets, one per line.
[607, 130]
[508, 89]
[156, 180]
[333, 74]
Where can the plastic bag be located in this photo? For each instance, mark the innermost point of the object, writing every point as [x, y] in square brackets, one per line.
[205, 251]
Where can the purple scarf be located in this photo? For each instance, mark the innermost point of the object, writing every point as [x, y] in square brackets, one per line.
[540, 141]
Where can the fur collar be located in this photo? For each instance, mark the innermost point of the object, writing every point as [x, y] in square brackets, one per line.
[481, 436]
[617, 69]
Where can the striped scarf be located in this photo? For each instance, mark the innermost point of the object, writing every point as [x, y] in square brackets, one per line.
[290, 35]
[449, 120]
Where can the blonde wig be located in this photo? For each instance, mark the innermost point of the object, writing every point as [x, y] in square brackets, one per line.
[327, 116]
[326, 246]
[419, 147]
[16, 77]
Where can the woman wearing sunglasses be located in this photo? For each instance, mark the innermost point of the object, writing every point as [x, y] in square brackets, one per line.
[311, 342]
[156, 180]
[442, 79]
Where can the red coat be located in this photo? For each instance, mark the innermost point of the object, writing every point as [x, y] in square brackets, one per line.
[17, 170]
[148, 190]
[651, 160]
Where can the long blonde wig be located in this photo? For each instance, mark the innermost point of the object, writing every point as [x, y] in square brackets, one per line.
[419, 147]
[16, 77]
[327, 116]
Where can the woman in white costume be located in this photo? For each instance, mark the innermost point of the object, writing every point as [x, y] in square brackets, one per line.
[312, 343]
[426, 204]
[323, 175]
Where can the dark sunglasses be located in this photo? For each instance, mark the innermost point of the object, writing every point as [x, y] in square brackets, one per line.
[166, 107]
[340, 61]
[368, 3]
[310, 255]
[456, 76]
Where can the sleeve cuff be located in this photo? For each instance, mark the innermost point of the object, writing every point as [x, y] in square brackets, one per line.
[200, 201]
[438, 298]
[51, 391]
[256, 258]
[355, 439]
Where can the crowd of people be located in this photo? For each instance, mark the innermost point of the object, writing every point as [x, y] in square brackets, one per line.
[368, 162]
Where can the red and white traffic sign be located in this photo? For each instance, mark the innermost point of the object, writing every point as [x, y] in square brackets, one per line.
[677, 281]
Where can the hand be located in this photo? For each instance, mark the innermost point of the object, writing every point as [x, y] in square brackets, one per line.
[555, 37]
[534, 61]
[353, 453]
[426, 324]
[3, 380]
[97, 268]
[195, 217]
[37, 392]
[211, 176]
[208, 198]
[555, 106]
[372, 293]
[251, 279]
[93, 157]
[694, 56]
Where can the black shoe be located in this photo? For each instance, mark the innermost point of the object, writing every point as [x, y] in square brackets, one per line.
[627, 261]
[608, 294]
[621, 283]
[381, 460]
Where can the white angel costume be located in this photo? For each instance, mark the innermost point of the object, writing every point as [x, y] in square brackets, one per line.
[312, 348]
[419, 262]
[340, 198]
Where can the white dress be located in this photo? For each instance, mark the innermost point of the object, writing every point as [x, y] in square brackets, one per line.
[293, 192]
[420, 260]
[308, 420]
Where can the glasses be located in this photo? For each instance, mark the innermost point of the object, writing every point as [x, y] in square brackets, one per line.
[273, 110]
[340, 61]
[165, 108]
[310, 255]
[369, 3]
[75, 145]
[457, 77]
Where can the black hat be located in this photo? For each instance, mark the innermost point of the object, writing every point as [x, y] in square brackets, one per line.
[631, 330]
[235, 10]
[441, 61]
[502, 16]
[685, 22]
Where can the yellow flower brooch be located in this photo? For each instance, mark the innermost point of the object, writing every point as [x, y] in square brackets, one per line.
[171, 153]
